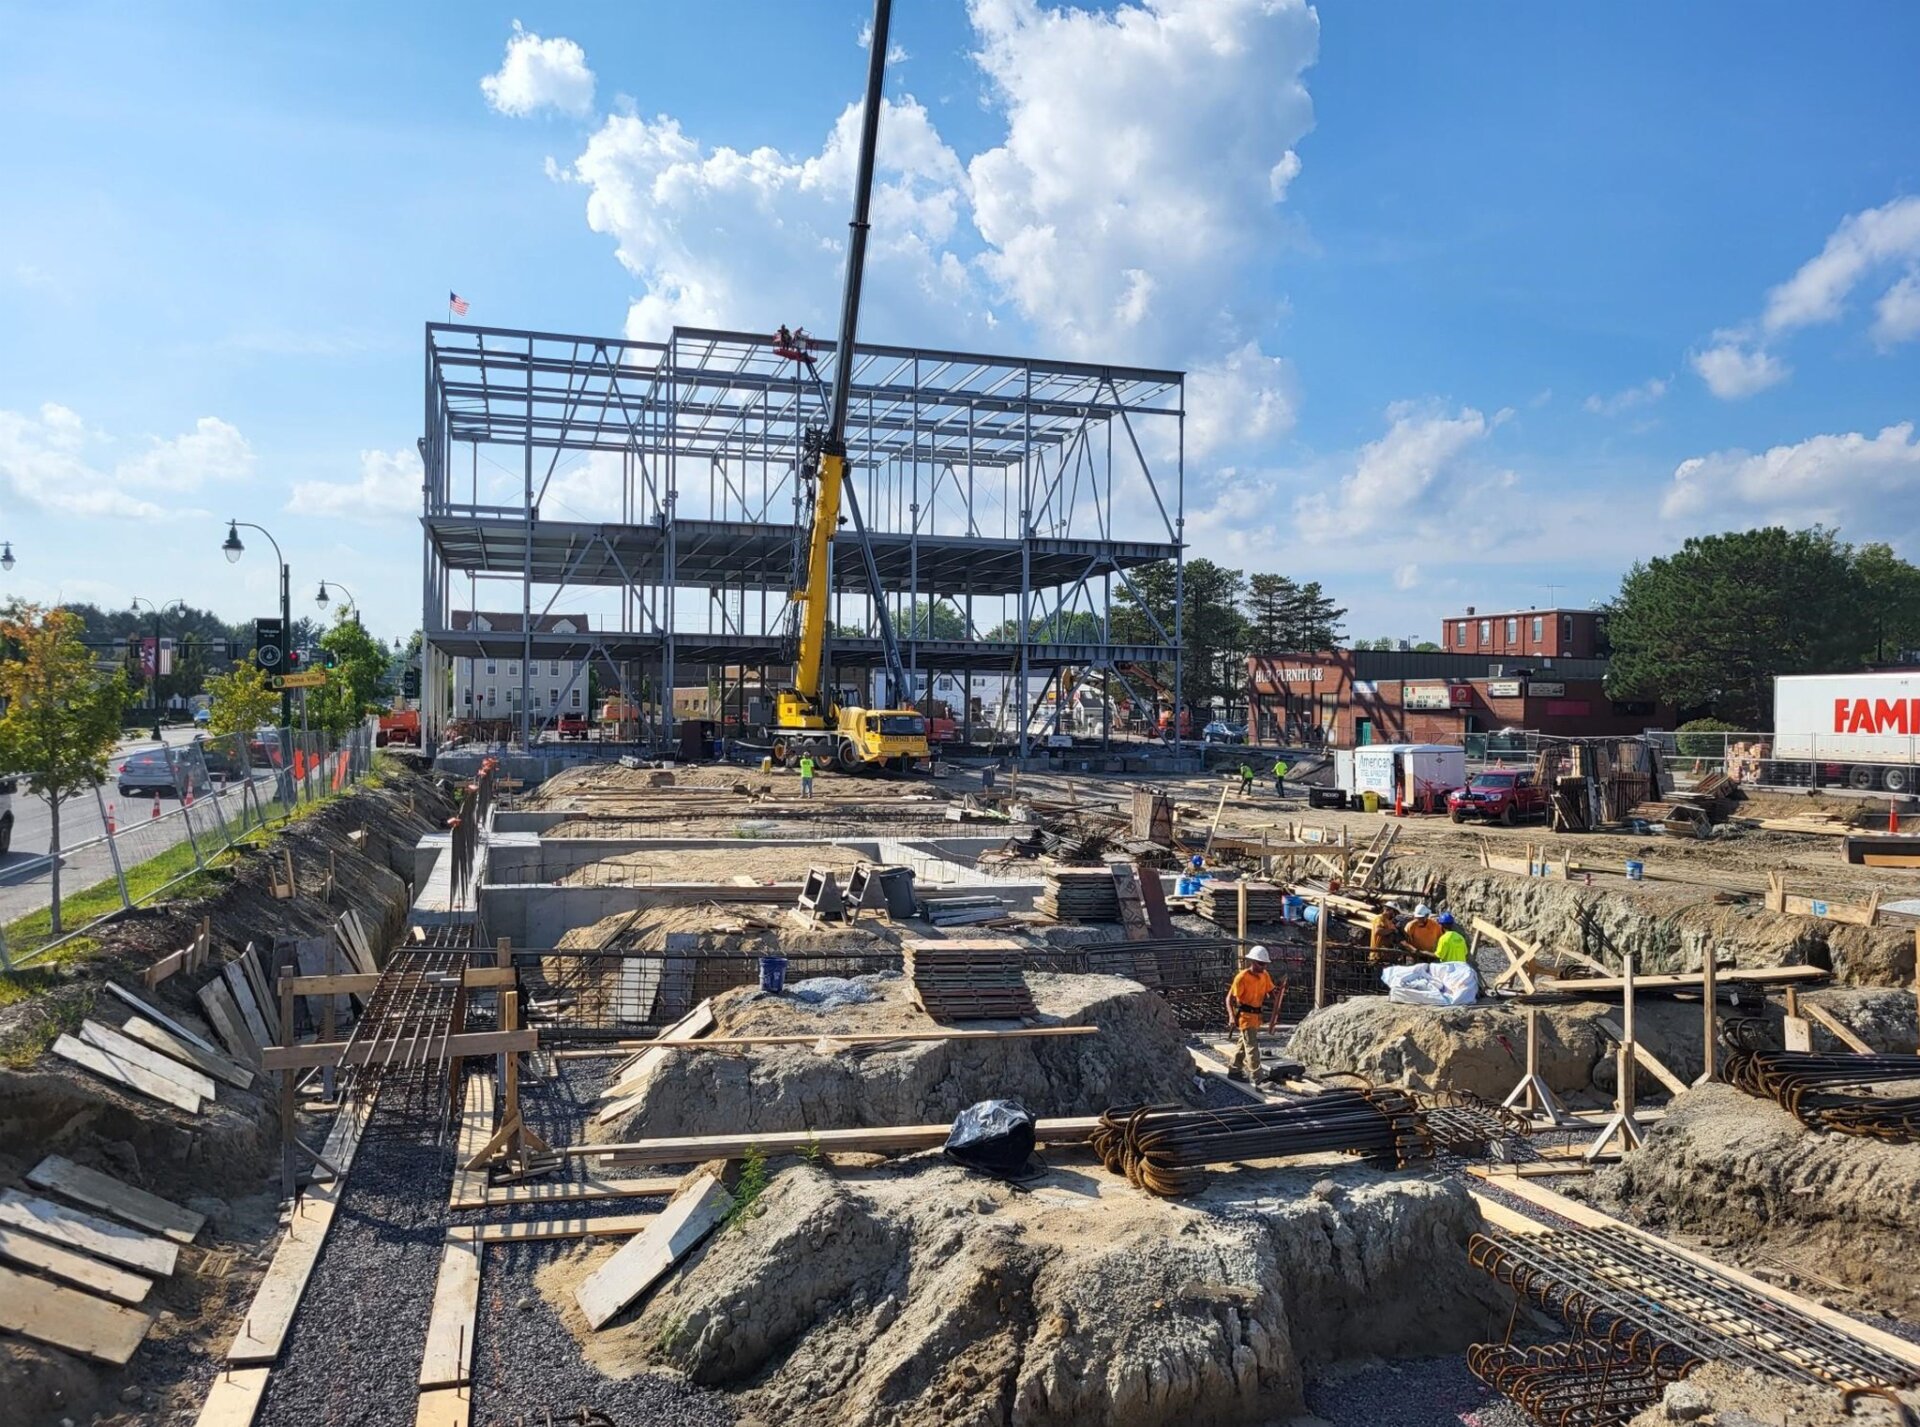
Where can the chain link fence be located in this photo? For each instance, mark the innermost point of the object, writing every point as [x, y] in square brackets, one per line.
[162, 816]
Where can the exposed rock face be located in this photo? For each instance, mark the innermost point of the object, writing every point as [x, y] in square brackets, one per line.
[923, 1295]
[1140, 1055]
[1730, 1166]
[1664, 926]
[1721, 1395]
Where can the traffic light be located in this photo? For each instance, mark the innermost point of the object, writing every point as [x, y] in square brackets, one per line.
[329, 660]
[410, 683]
[294, 661]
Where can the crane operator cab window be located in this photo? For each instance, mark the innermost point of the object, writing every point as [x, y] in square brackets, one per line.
[902, 726]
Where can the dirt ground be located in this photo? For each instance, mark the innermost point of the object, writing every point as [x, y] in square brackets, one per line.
[717, 864]
[916, 1293]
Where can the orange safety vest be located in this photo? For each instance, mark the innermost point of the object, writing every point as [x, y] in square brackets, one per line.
[1251, 987]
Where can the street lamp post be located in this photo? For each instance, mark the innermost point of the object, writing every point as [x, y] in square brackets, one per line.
[233, 549]
[6, 554]
[323, 597]
[153, 679]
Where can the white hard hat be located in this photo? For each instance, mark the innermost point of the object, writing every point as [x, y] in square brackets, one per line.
[1259, 953]
[1423, 910]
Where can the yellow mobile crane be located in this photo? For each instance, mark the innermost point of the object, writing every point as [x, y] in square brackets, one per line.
[808, 718]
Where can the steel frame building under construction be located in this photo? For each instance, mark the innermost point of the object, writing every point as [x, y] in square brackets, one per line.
[1017, 493]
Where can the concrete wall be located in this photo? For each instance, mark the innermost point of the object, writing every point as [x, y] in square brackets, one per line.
[551, 858]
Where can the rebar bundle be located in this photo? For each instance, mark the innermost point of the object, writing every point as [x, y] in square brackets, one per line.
[1821, 1090]
[1587, 1382]
[1167, 1149]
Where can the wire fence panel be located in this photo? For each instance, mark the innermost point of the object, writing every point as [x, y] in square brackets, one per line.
[164, 814]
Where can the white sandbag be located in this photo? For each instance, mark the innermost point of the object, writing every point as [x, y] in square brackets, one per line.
[1443, 983]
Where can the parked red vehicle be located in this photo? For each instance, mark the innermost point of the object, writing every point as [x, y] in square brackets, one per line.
[1498, 796]
[572, 725]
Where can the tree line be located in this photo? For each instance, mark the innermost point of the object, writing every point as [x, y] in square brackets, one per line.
[1711, 626]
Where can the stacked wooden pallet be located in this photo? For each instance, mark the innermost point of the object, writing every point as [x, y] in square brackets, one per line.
[1080, 894]
[969, 980]
[95, 1263]
[1220, 902]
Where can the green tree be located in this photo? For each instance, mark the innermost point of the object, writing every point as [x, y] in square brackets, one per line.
[1283, 615]
[357, 679]
[1892, 602]
[1713, 624]
[62, 715]
[1427, 646]
[1074, 626]
[243, 700]
[1214, 634]
[935, 619]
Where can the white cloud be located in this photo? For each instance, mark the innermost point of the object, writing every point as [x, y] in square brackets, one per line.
[1732, 370]
[1897, 314]
[896, 52]
[1118, 222]
[54, 461]
[1244, 397]
[1863, 484]
[540, 74]
[1646, 394]
[1406, 577]
[1862, 243]
[388, 489]
[1418, 474]
[724, 238]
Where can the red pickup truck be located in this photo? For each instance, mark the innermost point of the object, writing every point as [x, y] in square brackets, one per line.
[572, 725]
[1505, 797]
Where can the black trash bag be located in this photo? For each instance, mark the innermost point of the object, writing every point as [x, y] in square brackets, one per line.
[995, 1137]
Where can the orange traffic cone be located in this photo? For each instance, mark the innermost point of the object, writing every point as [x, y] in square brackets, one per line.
[156, 808]
[110, 822]
[1893, 818]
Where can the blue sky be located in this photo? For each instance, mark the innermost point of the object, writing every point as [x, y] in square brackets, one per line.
[1482, 302]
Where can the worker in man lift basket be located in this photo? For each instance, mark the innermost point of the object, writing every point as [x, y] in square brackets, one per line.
[1246, 1004]
[1451, 946]
[806, 775]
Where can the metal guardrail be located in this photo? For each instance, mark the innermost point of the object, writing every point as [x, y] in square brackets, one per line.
[224, 789]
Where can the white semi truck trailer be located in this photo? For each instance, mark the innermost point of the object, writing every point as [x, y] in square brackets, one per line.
[1858, 731]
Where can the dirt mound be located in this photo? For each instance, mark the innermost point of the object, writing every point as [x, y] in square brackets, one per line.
[1140, 1055]
[1739, 1396]
[1770, 1192]
[922, 1295]
[1664, 926]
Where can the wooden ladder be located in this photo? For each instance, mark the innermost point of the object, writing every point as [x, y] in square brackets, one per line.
[1371, 856]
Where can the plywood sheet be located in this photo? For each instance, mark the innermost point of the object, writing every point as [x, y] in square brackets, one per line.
[78, 1229]
[17, 1246]
[217, 1066]
[123, 1201]
[224, 1015]
[132, 1077]
[641, 1262]
[67, 1318]
[125, 1048]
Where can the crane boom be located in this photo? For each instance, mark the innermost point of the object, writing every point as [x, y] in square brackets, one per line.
[853, 735]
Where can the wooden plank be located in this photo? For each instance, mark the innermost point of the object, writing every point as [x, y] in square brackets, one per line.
[310, 956]
[877, 1038]
[234, 1398]
[1690, 980]
[444, 1407]
[224, 1015]
[1554, 1203]
[241, 989]
[263, 996]
[360, 945]
[696, 1023]
[64, 1318]
[642, 1261]
[131, 1077]
[123, 1201]
[548, 1192]
[448, 1358]
[360, 984]
[126, 1048]
[476, 1128]
[264, 1329]
[79, 1230]
[217, 1066]
[300, 1057]
[77, 1268]
[1839, 1028]
[1647, 1059]
[881, 1139]
[1499, 1216]
[161, 1018]
[607, 1226]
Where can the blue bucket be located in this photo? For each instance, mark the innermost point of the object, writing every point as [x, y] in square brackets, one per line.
[1635, 870]
[1311, 916]
[773, 974]
[1292, 908]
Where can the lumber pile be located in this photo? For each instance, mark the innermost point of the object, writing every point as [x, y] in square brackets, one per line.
[1220, 902]
[1080, 894]
[964, 911]
[969, 980]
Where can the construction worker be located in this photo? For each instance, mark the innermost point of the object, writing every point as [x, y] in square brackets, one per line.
[806, 775]
[1280, 777]
[1424, 931]
[1452, 946]
[1246, 779]
[1385, 933]
[1246, 1004]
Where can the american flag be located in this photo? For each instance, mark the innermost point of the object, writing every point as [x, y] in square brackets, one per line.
[456, 304]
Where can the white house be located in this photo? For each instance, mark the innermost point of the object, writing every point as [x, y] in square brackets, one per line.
[490, 688]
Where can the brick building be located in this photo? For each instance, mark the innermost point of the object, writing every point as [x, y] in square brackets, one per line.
[1349, 697]
[1526, 634]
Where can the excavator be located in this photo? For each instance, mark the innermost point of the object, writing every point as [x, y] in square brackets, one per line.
[808, 717]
